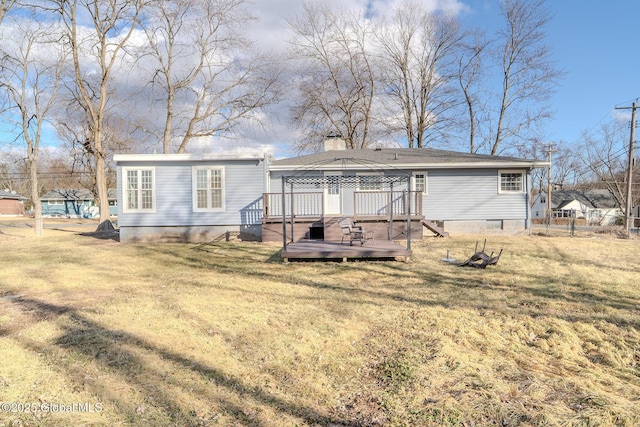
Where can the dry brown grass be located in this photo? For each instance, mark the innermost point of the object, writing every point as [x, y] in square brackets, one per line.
[225, 334]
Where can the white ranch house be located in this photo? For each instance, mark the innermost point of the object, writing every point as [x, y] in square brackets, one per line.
[595, 206]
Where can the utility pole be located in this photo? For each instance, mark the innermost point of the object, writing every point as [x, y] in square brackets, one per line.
[549, 192]
[628, 218]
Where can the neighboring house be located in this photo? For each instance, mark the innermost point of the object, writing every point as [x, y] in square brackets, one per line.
[75, 203]
[190, 197]
[460, 192]
[11, 203]
[595, 206]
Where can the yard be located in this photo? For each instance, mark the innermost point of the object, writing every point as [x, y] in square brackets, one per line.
[93, 332]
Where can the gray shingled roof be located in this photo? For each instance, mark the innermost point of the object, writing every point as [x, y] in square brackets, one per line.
[391, 157]
[6, 194]
[75, 194]
[596, 198]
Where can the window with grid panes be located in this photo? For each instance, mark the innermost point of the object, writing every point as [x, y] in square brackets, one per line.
[139, 190]
[208, 188]
[511, 182]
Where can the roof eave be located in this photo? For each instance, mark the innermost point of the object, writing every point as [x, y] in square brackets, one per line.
[413, 166]
[188, 157]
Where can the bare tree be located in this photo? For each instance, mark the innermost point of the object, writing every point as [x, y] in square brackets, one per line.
[209, 79]
[13, 173]
[528, 74]
[31, 77]
[5, 5]
[419, 50]
[605, 155]
[80, 164]
[566, 165]
[97, 45]
[337, 81]
[470, 76]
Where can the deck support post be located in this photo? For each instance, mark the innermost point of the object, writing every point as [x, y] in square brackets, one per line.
[284, 217]
[292, 211]
[390, 232]
[409, 213]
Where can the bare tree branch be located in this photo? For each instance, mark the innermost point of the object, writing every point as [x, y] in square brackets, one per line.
[31, 79]
[337, 80]
[419, 50]
[96, 49]
[528, 75]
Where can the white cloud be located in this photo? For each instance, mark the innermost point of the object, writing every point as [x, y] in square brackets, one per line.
[271, 31]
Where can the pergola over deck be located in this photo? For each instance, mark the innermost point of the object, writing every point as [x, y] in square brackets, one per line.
[384, 183]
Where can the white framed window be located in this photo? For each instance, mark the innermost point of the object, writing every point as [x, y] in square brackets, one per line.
[369, 182]
[208, 189]
[511, 182]
[420, 182]
[55, 202]
[139, 189]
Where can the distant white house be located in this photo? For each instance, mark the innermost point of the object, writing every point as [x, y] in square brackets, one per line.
[596, 206]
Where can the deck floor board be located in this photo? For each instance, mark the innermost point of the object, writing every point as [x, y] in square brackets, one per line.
[322, 249]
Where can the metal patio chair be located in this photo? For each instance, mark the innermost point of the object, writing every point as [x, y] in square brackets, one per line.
[354, 232]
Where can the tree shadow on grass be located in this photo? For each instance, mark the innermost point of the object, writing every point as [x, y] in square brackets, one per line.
[85, 338]
[453, 283]
[251, 267]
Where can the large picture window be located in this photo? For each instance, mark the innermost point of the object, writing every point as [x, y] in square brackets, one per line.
[139, 190]
[208, 189]
[511, 182]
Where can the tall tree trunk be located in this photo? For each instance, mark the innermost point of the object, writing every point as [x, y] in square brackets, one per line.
[101, 177]
[168, 126]
[35, 198]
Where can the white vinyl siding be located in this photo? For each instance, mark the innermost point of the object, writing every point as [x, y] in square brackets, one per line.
[470, 195]
[208, 189]
[511, 182]
[139, 190]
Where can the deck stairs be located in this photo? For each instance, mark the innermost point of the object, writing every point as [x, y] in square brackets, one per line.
[433, 227]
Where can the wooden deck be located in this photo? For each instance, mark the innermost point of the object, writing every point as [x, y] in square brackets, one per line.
[322, 249]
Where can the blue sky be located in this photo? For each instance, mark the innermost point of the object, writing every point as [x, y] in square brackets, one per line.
[596, 44]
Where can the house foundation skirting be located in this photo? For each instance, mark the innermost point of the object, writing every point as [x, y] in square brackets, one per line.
[189, 234]
[328, 228]
[501, 226]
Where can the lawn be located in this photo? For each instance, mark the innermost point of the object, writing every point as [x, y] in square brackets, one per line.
[94, 332]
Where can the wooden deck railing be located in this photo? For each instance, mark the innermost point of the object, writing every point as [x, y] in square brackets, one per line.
[369, 203]
[304, 204]
[366, 203]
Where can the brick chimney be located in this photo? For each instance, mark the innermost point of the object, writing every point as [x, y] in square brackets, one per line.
[334, 142]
